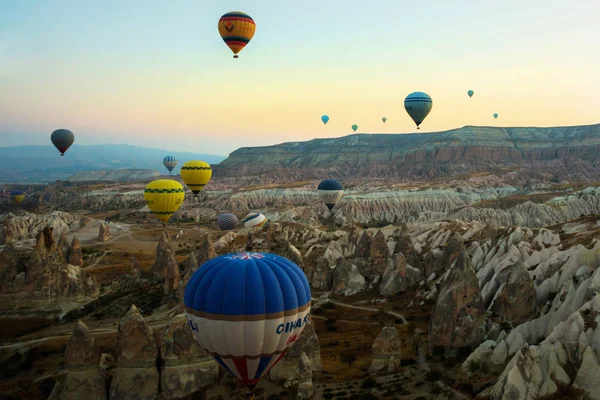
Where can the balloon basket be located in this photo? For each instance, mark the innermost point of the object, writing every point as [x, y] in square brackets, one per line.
[62, 155]
[235, 56]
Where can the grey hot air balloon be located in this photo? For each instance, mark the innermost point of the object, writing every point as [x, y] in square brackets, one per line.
[62, 139]
[227, 221]
[418, 105]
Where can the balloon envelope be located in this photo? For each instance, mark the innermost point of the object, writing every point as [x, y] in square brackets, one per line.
[325, 119]
[62, 139]
[330, 191]
[354, 127]
[384, 119]
[236, 29]
[418, 105]
[227, 221]
[495, 115]
[470, 93]
[170, 162]
[196, 174]
[254, 220]
[16, 196]
[164, 197]
[246, 310]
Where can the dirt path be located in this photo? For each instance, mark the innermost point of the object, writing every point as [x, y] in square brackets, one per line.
[374, 310]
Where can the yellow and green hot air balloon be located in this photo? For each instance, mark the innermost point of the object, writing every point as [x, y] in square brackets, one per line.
[237, 29]
[196, 175]
[164, 197]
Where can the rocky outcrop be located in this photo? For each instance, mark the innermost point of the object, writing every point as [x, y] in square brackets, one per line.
[207, 250]
[165, 265]
[516, 299]
[398, 276]
[104, 232]
[10, 269]
[75, 253]
[136, 268]
[26, 225]
[137, 351]
[347, 280]
[84, 377]
[289, 369]
[187, 367]
[386, 349]
[458, 318]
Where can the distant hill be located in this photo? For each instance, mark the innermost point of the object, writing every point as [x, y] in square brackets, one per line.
[561, 152]
[43, 163]
[114, 175]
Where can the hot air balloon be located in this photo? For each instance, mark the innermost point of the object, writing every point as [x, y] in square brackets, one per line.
[354, 127]
[470, 93]
[227, 221]
[254, 220]
[164, 197]
[495, 115]
[384, 119]
[237, 29]
[196, 175]
[330, 191]
[16, 196]
[418, 105]
[325, 119]
[246, 310]
[170, 162]
[62, 139]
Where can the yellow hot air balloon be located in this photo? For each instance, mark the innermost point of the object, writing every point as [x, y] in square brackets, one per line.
[196, 175]
[237, 29]
[164, 197]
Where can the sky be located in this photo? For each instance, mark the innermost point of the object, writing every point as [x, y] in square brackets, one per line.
[157, 74]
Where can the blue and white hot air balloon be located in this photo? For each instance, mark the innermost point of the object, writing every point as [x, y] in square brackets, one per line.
[246, 310]
[254, 220]
[418, 105]
[227, 221]
[170, 162]
[330, 191]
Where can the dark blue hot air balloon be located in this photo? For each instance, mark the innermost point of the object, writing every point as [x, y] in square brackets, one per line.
[227, 221]
[331, 191]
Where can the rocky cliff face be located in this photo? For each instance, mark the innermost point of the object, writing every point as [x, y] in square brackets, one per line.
[430, 155]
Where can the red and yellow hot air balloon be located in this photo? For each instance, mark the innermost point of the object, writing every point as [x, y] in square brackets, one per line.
[237, 29]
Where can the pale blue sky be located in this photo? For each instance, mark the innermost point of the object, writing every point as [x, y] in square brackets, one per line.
[158, 73]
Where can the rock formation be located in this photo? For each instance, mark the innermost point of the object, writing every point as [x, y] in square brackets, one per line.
[137, 352]
[458, 318]
[386, 350]
[187, 367]
[75, 253]
[103, 232]
[166, 266]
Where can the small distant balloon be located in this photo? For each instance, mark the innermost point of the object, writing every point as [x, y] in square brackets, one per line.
[325, 119]
[495, 115]
[354, 127]
[16, 196]
[62, 139]
[384, 119]
[227, 221]
[254, 220]
[470, 93]
[170, 162]
[418, 105]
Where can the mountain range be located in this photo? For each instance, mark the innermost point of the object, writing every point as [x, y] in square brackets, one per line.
[560, 152]
[43, 163]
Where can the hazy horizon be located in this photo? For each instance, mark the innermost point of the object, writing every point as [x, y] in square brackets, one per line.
[131, 73]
